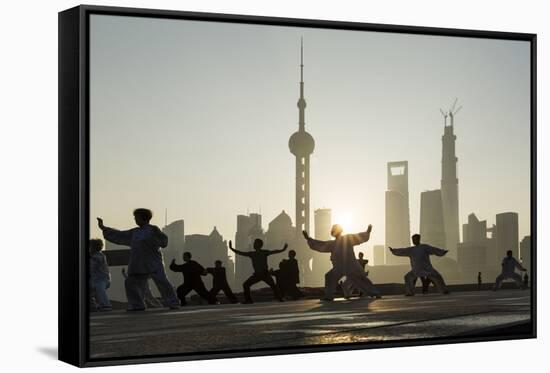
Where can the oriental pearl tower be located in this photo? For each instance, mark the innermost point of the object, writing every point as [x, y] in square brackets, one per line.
[301, 145]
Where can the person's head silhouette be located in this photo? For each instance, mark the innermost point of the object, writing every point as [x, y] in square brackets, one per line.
[416, 239]
[336, 230]
[509, 253]
[186, 256]
[218, 263]
[258, 244]
[96, 245]
[142, 216]
[361, 255]
[292, 254]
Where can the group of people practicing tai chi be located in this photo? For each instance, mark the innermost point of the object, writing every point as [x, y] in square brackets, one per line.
[146, 263]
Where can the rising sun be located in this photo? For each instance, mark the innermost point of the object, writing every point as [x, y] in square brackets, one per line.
[344, 219]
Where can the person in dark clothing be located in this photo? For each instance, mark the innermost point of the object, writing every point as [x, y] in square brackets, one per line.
[362, 261]
[261, 269]
[281, 277]
[219, 282]
[192, 272]
[479, 281]
[292, 272]
[526, 281]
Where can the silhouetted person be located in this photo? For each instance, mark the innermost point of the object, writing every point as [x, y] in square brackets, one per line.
[261, 270]
[145, 260]
[348, 287]
[192, 280]
[293, 270]
[479, 282]
[509, 265]
[100, 277]
[362, 261]
[281, 278]
[343, 261]
[525, 281]
[148, 297]
[219, 282]
[419, 255]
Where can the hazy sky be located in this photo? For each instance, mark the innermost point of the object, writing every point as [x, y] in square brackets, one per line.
[195, 117]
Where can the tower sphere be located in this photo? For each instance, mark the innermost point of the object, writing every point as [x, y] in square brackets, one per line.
[301, 144]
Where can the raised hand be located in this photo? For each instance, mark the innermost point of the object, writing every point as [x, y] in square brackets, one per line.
[100, 223]
[369, 229]
[285, 246]
[230, 245]
[306, 235]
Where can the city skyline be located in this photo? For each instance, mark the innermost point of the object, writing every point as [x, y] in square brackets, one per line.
[347, 191]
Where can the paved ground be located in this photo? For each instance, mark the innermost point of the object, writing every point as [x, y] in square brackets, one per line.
[307, 322]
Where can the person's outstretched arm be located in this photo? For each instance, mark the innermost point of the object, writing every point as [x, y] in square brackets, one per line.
[176, 267]
[317, 245]
[436, 251]
[400, 252]
[237, 251]
[359, 238]
[114, 235]
[519, 266]
[278, 251]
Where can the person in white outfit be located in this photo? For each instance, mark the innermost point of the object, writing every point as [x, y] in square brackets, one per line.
[344, 262]
[146, 260]
[421, 266]
[509, 265]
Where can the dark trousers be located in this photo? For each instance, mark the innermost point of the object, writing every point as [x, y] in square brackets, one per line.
[258, 277]
[199, 288]
[226, 290]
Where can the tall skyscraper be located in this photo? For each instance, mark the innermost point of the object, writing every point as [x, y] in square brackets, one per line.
[378, 252]
[507, 234]
[323, 224]
[432, 227]
[397, 210]
[301, 145]
[525, 253]
[321, 261]
[449, 187]
[476, 253]
[176, 240]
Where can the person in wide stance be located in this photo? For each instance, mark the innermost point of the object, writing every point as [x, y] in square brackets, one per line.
[219, 282]
[145, 261]
[509, 265]
[421, 266]
[261, 269]
[192, 272]
[344, 262]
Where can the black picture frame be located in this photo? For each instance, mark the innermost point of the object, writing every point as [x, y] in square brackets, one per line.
[74, 176]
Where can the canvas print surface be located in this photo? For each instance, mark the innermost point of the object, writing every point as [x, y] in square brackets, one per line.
[258, 187]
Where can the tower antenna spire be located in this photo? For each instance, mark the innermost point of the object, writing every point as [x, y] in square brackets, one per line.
[302, 59]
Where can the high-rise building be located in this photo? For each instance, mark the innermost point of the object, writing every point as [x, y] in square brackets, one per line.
[176, 242]
[507, 233]
[475, 253]
[378, 252]
[323, 224]
[397, 210]
[525, 253]
[449, 188]
[432, 228]
[321, 263]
